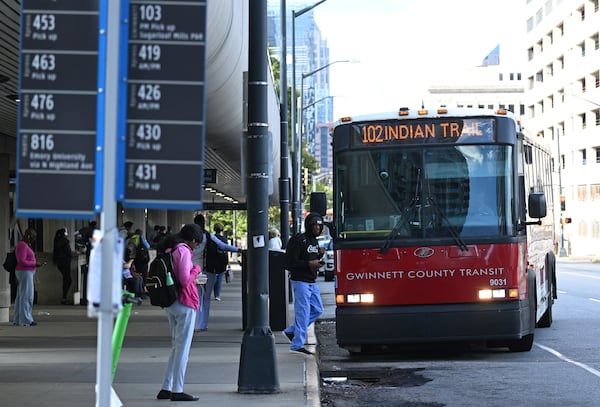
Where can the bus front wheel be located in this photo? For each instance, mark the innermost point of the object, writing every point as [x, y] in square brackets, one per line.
[521, 345]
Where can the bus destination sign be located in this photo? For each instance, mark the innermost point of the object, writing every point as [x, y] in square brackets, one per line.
[56, 146]
[430, 131]
[164, 143]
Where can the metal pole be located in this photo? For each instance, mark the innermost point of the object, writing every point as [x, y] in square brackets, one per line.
[295, 152]
[258, 343]
[109, 209]
[562, 252]
[296, 156]
[284, 178]
[299, 147]
[317, 101]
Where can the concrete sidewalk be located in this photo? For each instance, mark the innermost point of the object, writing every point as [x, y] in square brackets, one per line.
[54, 363]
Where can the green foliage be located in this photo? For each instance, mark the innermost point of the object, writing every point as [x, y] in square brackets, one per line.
[226, 219]
[276, 68]
[274, 217]
[308, 161]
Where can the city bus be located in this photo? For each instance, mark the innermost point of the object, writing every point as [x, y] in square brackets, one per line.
[443, 229]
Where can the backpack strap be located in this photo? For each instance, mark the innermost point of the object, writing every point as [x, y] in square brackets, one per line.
[207, 237]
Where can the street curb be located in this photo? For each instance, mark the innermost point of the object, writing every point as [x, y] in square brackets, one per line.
[311, 373]
[313, 396]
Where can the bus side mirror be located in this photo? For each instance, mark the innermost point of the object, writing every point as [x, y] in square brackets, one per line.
[536, 205]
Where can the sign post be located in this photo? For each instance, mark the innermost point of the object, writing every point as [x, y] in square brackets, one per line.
[164, 137]
[57, 147]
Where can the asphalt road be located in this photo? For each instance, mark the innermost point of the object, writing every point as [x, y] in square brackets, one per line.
[562, 369]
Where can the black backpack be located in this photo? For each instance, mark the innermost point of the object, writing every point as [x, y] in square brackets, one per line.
[142, 255]
[161, 284]
[216, 258]
[10, 262]
[210, 253]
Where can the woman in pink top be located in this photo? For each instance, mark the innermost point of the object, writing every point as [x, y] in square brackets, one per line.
[182, 314]
[26, 264]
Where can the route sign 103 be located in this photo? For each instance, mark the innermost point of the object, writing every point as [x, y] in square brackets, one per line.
[164, 143]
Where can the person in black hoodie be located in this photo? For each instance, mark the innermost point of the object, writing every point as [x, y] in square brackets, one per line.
[302, 258]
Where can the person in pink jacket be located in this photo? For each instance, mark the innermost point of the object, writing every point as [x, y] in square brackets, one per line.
[182, 314]
[26, 264]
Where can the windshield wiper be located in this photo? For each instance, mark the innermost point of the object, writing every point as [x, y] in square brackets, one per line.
[452, 229]
[405, 215]
[402, 220]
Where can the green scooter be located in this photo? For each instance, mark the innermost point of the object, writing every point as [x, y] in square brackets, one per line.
[121, 327]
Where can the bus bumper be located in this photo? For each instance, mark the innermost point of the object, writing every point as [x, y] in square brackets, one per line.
[412, 324]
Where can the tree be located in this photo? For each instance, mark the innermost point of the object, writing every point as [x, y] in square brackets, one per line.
[308, 161]
[226, 219]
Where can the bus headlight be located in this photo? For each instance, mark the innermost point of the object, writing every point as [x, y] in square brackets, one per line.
[367, 298]
[353, 298]
[498, 293]
[485, 294]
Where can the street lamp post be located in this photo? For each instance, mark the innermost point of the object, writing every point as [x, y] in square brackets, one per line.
[318, 101]
[258, 343]
[562, 252]
[296, 156]
[298, 140]
[302, 107]
[284, 178]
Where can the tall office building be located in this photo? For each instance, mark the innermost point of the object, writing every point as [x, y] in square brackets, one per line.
[486, 87]
[562, 93]
[555, 89]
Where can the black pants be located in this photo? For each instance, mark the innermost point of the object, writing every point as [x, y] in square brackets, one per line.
[135, 285]
[65, 270]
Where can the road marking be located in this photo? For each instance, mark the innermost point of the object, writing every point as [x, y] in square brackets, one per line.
[566, 359]
[594, 299]
[574, 273]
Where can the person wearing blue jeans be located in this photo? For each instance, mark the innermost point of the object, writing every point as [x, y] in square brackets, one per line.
[218, 261]
[182, 313]
[213, 243]
[208, 243]
[25, 270]
[181, 321]
[307, 308]
[302, 259]
[218, 286]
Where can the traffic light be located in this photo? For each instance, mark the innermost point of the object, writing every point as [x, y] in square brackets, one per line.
[565, 221]
[304, 174]
[562, 203]
[305, 177]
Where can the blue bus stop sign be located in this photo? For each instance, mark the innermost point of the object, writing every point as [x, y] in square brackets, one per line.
[163, 142]
[57, 143]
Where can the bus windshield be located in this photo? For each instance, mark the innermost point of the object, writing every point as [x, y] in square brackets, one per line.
[439, 191]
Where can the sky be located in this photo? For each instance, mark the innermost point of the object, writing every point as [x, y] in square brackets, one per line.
[403, 46]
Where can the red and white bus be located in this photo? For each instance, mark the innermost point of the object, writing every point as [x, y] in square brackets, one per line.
[443, 229]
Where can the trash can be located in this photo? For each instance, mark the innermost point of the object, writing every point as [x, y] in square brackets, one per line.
[278, 291]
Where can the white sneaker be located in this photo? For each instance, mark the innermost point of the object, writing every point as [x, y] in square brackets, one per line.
[218, 298]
